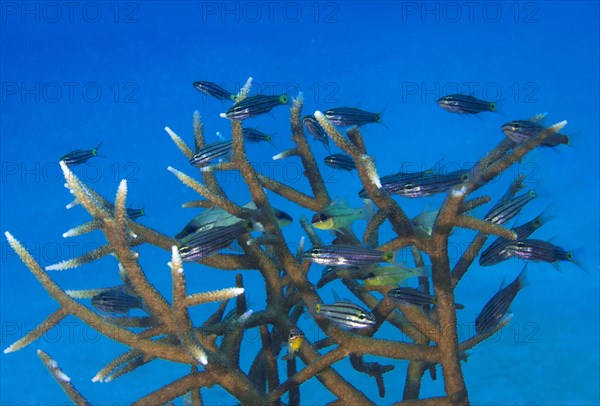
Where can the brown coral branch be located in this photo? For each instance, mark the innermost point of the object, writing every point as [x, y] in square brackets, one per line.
[62, 379]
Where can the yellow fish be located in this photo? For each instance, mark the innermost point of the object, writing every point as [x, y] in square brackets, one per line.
[339, 215]
[294, 343]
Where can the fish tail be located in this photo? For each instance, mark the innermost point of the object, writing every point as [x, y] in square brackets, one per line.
[522, 278]
[368, 210]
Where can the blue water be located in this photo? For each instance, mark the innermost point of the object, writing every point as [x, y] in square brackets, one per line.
[118, 73]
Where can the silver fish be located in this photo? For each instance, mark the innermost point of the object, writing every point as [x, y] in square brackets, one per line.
[80, 156]
[346, 314]
[209, 152]
[495, 310]
[252, 106]
[213, 89]
[509, 208]
[348, 116]
[340, 161]
[465, 104]
[116, 301]
[347, 256]
[205, 243]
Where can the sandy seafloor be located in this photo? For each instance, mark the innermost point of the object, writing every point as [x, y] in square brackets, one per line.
[75, 75]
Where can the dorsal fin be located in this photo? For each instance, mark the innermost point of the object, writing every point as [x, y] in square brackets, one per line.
[539, 117]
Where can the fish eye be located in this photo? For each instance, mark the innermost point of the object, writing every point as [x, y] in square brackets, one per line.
[362, 316]
[569, 256]
[464, 177]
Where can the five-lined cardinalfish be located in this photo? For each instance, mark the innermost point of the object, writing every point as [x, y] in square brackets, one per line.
[495, 313]
[349, 116]
[205, 243]
[507, 209]
[253, 135]
[413, 296]
[540, 251]
[346, 315]
[213, 90]
[339, 215]
[340, 161]
[496, 252]
[80, 156]
[295, 339]
[116, 300]
[314, 128]
[210, 152]
[465, 104]
[253, 106]
[520, 131]
[346, 256]
[434, 184]
[135, 214]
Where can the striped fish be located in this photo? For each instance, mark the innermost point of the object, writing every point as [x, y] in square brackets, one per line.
[346, 314]
[314, 128]
[413, 296]
[509, 208]
[79, 156]
[254, 105]
[524, 130]
[495, 310]
[540, 251]
[465, 104]
[497, 250]
[116, 301]
[214, 90]
[346, 256]
[431, 184]
[340, 161]
[348, 116]
[254, 135]
[205, 243]
[211, 151]
[134, 214]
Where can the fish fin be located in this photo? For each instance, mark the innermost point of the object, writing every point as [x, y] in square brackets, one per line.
[380, 119]
[538, 118]
[95, 151]
[522, 278]
[556, 265]
[336, 297]
[368, 210]
[498, 109]
[425, 271]
[502, 284]
[578, 253]
[220, 136]
[338, 230]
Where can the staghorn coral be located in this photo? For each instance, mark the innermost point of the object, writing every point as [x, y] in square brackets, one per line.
[170, 333]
